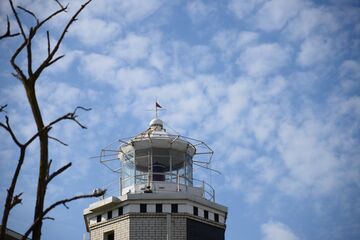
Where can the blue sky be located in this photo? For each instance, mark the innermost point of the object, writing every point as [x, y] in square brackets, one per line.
[272, 86]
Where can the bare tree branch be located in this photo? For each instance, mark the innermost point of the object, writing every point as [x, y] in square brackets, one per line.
[47, 61]
[2, 108]
[8, 31]
[29, 51]
[62, 202]
[8, 128]
[61, 6]
[56, 59]
[71, 116]
[58, 140]
[29, 12]
[18, 20]
[48, 42]
[57, 172]
[19, 73]
[29, 85]
[11, 201]
[16, 200]
[27, 43]
[48, 218]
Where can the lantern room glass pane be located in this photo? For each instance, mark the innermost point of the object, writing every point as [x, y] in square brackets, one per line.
[168, 165]
[128, 172]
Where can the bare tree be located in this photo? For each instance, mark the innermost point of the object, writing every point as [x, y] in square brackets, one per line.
[28, 76]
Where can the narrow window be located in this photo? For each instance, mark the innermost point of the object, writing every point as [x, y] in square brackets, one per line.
[109, 215]
[216, 217]
[206, 214]
[109, 235]
[159, 208]
[143, 208]
[196, 211]
[98, 218]
[174, 208]
[120, 211]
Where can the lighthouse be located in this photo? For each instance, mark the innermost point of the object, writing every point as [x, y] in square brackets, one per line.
[158, 195]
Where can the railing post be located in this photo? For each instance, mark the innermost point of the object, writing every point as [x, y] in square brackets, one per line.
[203, 187]
[178, 183]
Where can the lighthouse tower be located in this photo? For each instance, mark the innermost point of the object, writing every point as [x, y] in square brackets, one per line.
[158, 196]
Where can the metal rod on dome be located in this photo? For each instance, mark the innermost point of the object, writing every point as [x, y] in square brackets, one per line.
[104, 155]
[108, 160]
[175, 139]
[110, 150]
[208, 168]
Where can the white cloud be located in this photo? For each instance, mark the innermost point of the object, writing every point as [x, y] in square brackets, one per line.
[244, 8]
[309, 156]
[277, 231]
[350, 68]
[311, 21]
[237, 100]
[202, 57]
[188, 61]
[315, 50]
[64, 64]
[230, 41]
[159, 59]
[132, 48]
[94, 31]
[134, 78]
[275, 14]
[198, 10]
[350, 74]
[266, 170]
[137, 10]
[63, 98]
[239, 155]
[253, 194]
[99, 67]
[263, 59]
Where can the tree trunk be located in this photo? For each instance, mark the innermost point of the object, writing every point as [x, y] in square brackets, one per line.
[43, 138]
[10, 194]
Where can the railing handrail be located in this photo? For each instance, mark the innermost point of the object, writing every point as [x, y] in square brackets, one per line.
[206, 187]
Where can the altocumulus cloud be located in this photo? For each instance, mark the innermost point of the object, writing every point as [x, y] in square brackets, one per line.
[277, 231]
[272, 85]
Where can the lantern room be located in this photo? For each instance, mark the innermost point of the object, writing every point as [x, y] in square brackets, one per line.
[157, 161]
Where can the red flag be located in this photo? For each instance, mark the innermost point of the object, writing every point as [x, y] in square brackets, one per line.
[158, 105]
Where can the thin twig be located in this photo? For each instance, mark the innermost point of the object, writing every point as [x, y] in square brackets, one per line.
[57, 172]
[16, 200]
[29, 12]
[48, 41]
[2, 108]
[19, 73]
[70, 116]
[8, 128]
[8, 32]
[17, 19]
[59, 3]
[58, 140]
[56, 59]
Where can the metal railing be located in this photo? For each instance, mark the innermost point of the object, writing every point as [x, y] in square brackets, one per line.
[175, 183]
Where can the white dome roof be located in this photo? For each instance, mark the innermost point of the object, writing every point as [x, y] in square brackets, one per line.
[156, 122]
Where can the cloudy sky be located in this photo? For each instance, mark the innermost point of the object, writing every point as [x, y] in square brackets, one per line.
[271, 85]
